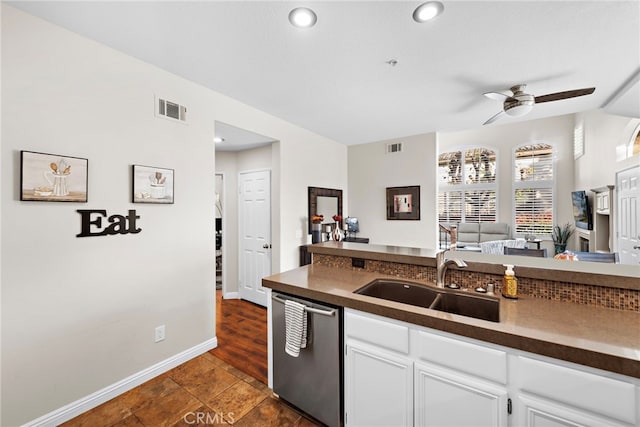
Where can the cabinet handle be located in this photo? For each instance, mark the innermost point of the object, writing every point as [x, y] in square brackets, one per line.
[509, 407]
[329, 313]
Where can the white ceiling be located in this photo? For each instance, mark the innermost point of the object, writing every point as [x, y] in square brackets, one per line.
[333, 79]
[236, 139]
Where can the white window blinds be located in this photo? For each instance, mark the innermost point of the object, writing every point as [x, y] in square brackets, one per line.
[467, 186]
[533, 189]
[450, 207]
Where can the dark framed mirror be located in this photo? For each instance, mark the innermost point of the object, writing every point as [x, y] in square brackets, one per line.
[326, 202]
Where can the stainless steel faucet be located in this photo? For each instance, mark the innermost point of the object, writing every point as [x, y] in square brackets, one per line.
[442, 265]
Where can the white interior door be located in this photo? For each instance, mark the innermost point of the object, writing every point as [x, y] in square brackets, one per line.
[628, 194]
[254, 227]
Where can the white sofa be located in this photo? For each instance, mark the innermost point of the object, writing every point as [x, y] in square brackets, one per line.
[470, 235]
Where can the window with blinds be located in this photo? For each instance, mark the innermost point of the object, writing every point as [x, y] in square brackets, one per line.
[467, 186]
[449, 207]
[533, 189]
[578, 141]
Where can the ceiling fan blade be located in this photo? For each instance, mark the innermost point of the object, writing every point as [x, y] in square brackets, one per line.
[564, 95]
[498, 96]
[494, 118]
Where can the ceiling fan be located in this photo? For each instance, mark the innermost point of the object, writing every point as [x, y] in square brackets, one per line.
[517, 103]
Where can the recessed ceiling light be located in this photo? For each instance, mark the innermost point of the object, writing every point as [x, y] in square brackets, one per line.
[218, 139]
[427, 11]
[302, 17]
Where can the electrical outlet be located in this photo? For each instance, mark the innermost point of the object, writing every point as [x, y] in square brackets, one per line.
[160, 333]
[357, 262]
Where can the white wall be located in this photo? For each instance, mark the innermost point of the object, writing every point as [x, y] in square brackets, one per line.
[604, 136]
[255, 159]
[371, 171]
[306, 163]
[603, 133]
[78, 313]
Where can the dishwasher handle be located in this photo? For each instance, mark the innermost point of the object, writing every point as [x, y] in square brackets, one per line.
[329, 313]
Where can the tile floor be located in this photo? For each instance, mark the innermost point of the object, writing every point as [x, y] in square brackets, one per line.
[204, 391]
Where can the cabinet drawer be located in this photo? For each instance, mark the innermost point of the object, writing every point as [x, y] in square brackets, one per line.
[606, 396]
[463, 356]
[379, 332]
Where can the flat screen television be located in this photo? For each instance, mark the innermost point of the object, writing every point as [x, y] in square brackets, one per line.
[581, 210]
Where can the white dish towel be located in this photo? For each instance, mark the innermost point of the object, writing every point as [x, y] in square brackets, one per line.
[295, 321]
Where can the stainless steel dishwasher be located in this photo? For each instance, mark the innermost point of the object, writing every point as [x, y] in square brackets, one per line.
[313, 380]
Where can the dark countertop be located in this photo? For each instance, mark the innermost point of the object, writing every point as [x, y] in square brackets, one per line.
[415, 256]
[598, 337]
[588, 273]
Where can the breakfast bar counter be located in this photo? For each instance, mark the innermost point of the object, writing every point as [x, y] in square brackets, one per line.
[601, 338]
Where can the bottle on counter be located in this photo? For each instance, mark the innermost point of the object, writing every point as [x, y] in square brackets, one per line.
[509, 283]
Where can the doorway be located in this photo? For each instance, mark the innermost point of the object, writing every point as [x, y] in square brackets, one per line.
[237, 150]
[240, 324]
[219, 218]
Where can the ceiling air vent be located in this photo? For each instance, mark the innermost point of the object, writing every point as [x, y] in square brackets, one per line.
[170, 110]
[394, 147]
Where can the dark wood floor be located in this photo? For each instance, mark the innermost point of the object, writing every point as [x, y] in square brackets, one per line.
[241, 328]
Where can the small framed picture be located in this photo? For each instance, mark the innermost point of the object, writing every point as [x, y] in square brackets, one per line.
[53, 177]
[403, 203]
[152, 185]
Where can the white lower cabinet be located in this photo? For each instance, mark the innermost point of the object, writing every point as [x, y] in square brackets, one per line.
[400, 374]
[443, 398]
[535, 412]
[378, 388]
[550, 394]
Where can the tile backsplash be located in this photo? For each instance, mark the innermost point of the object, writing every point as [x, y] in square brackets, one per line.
[601, 296]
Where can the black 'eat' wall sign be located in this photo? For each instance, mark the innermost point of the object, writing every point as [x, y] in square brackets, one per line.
[92, 224]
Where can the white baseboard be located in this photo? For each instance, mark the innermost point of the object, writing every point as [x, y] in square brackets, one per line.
[80, 406]
[231, 295]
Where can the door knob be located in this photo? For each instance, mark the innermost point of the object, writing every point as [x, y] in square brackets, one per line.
[636, 247]
[266, 246]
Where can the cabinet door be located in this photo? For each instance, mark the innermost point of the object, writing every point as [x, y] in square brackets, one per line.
[535, 412]
[568, 387]
[378, 388]
[443, 398]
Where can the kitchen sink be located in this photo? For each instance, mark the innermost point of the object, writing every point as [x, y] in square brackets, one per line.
[400, 291]
[450, 301]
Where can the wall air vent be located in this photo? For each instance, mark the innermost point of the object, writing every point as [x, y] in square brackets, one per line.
[170, 110]
[394, 147]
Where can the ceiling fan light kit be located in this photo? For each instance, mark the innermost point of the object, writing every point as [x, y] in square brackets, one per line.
[517, 103]
[519, 109]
